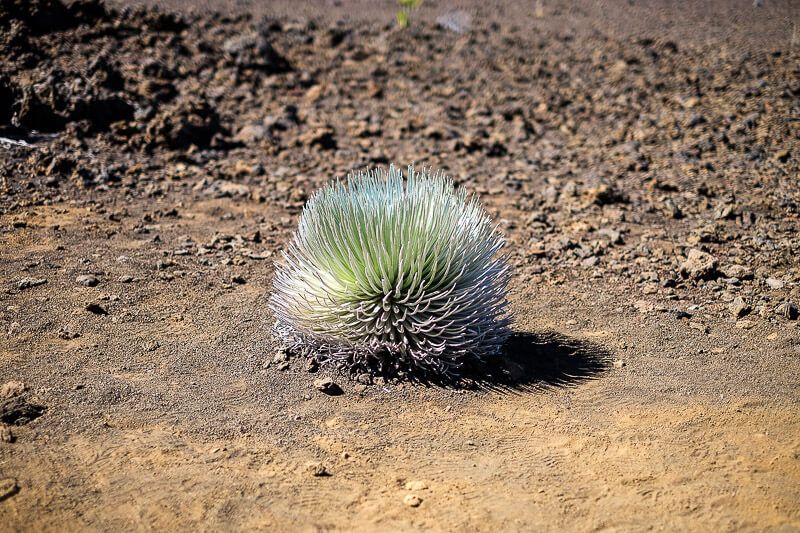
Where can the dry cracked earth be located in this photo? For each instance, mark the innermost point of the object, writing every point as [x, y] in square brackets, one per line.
[153, 163]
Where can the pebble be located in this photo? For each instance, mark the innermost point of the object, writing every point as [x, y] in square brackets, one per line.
[774, 284]
[8, 488]
[327, 386]
[699, 265]
[787, 310]
[412, 500]
[5, 434]
[96, 309]
[317, 469]
[745, 324]
[416, 485]
[125, 279]
[739, 307]
[10, 389]
[27, 283]
[87, 280]
[737, 271]
[619, 363]
[67, 333]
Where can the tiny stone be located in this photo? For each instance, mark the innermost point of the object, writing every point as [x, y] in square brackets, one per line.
[739, 308]
[774, 284]
[737, 271]
[5, 434]
[412, 500]
[96, 309]
[317, 470]
[125, 279]
[699, 265]
[327, 386]
[240, 280]
[8, 487]
[619, 363]
[745, 324]
[67, 333]
[416, 485]
[787, 310]
[26, 283]
[11, 389]
[87, 280]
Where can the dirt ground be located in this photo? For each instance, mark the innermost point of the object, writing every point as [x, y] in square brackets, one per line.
[153, 164]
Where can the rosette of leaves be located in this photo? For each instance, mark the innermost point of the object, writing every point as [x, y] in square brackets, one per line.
[391, 274]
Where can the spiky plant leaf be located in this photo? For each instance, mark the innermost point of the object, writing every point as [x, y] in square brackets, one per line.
[390, 273]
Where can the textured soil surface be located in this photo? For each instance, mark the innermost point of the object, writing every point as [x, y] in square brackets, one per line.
[153, 164]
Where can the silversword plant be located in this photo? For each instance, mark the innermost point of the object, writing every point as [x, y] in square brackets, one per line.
[393, 273]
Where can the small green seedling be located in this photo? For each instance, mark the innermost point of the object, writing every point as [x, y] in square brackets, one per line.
[406, 7]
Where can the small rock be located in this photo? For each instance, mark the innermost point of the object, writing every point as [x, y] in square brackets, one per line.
[5, 434]
[8, 487]
[125, 279]
[457, 21]
[745, 324]
[416, 485]
[251, 133]
[739, 307]
[412, 500]
[774, 284]
[699, 265]
[27, 283]
[737, 271]
[614, 236]
[643, 306]
[787, 310]
[327, 386]
[619, 363]
[96, 309]
[239, 280]
[14, 328]
[317, 469]
[699, 326]
[10, 389]
[67, 333]
[87, 280]
[672, 209]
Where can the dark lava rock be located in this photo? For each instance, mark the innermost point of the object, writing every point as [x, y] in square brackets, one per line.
[254, 51]
[101, 112]
[7, 97]
[46, 16]
[16, 411]
[186, 123]
[39, 114]
[96, 309]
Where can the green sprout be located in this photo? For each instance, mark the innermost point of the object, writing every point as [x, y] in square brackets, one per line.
[406, 7]
[393, 273]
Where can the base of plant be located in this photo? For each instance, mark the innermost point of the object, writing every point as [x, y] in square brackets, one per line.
[392, 365]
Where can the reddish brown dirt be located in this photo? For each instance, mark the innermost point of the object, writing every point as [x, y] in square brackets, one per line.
[647, 182]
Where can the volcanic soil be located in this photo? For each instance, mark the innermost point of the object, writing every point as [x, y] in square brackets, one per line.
[153, 164]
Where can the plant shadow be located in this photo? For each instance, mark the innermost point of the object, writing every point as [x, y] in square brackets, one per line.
[532, 362]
